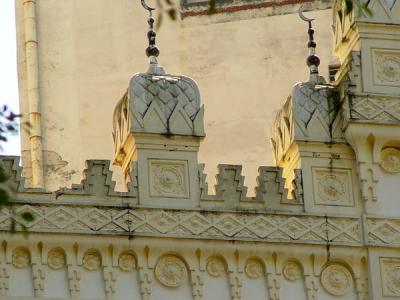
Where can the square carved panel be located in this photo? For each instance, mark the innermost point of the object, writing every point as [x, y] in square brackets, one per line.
[386, 67]
[332, 187]
[168, 178]
[390, 275]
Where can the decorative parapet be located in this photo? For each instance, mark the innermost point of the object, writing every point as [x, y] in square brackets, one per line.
[16, 182]
[230, 183]
[270, 184]
[230, 191]
[97, 181]
[98, 188]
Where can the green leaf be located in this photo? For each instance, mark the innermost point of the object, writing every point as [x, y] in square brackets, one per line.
[172, 13]
[349, 5]
[28, 217]
[211, 7]
[4, 196]
[3, 175]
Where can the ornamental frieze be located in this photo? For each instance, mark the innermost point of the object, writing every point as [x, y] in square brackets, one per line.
[188, 224]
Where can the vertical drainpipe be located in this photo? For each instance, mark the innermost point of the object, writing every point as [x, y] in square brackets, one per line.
[32, 71]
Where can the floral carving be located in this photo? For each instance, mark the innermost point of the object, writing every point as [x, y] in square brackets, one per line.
[390, 272]
[336, 280]
[292, 271]
[390, 160]
[168, 178]
[332, 187]
[170, 271]
[216, 267]
[388, 67]
[254, 268]
[56, 259]
[127, 262]
[91, 260]
[21, 258]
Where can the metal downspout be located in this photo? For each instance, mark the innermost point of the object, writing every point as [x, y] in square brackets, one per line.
[32, 71]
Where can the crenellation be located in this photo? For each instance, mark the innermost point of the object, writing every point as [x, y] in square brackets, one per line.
[270, 185]
[16, 182]
[297, 190]
[230, 192]
[203, 186]
[97, 181]
[230, 185]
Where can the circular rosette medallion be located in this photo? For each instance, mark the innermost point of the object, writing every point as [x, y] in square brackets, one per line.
[56, 259]
[168, 179]
[92, 261]
[21, 258]
[389, 68]
[336, 280]
[331, 188]
[390, 160]
[127, 262]
[215, 267]
[292, 271]
[254, 269]
[170, 271]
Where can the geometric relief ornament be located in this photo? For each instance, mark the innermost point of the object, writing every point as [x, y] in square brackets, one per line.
[170, 271]
[386, 67]
[336, 280]
[56, 259]
[292, 271]
[390, 160]
[390, 274]
[168, 178]
[21, 258]
[333, 187]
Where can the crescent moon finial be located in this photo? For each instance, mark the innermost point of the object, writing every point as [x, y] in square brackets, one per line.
[146, 7]
[302, 16]
[152, 50]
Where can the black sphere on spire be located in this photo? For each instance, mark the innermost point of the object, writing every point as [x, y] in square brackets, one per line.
[313, 60]
[152, 50]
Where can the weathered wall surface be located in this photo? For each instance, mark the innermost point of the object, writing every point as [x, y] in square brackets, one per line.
[245, 64]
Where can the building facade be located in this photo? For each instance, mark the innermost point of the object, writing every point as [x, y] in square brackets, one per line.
[323, 222]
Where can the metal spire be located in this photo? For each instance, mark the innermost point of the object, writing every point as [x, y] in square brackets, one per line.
[313, 60]
[152, 49]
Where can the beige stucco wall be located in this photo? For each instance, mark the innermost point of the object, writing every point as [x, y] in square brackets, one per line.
[245, 65]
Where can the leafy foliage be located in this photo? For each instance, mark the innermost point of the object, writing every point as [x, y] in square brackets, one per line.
[9, 125]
